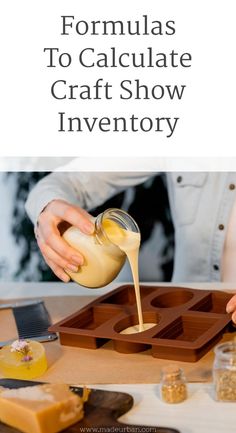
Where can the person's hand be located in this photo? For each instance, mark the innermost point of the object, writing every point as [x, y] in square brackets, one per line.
[231, 308]
[56, 252]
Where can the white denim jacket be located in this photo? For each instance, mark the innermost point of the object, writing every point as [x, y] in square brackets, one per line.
[200, 203]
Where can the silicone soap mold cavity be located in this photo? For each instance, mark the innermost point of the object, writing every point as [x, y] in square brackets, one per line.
[188, 322]
[127, 296]
[172, 299]
[124, 345]
[91, 318]
[148, 317]
[212, 303]
[187, 328]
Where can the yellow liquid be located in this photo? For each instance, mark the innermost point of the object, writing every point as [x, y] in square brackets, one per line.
[12, 366]
[135, 329]
[129, 243]
[102, 263]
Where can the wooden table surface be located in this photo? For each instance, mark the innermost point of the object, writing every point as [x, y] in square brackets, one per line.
[103, 365]
[109, 370]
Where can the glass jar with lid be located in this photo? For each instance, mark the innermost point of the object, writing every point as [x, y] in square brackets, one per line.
[224, 372]
[103, 259]
[173, 384]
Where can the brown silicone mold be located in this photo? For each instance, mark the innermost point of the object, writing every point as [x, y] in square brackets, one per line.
[188, 322]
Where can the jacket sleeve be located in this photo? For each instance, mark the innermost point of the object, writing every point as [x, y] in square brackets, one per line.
[87, 190]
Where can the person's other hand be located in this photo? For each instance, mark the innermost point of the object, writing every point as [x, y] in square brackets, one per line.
[56, 252]
[231, 308]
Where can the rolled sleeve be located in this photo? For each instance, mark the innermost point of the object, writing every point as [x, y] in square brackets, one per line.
[87, 190]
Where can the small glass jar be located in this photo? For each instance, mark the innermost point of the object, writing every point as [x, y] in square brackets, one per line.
[103, 260]
[173, 384]
[224, 372]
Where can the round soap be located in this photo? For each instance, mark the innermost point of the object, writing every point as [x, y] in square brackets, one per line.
[17, 365]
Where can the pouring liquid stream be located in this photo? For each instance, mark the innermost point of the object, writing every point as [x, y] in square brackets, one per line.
[129, 243]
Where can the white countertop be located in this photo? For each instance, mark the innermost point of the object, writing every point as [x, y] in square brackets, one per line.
[198, 414]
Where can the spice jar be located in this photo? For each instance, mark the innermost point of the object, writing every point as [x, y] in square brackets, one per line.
[103, 260]
[224, 372]
[173, 384]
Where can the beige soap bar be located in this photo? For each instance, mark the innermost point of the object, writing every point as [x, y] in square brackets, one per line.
[46, 408]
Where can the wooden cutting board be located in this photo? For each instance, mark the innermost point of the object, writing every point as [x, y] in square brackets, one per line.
[102, 410]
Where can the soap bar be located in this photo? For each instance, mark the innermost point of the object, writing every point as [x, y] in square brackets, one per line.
[23, 360]
[48, 408]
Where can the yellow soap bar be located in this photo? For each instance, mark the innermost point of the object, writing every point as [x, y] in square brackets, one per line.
[48, 408]
[13, 364]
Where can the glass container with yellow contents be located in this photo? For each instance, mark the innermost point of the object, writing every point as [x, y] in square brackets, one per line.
[103, 251]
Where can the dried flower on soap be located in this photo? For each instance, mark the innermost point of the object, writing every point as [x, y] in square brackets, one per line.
[19, 346]
[22, 347]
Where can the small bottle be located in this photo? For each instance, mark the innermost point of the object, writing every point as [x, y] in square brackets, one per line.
[103, 260]
[173, 384]
[224, 372]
